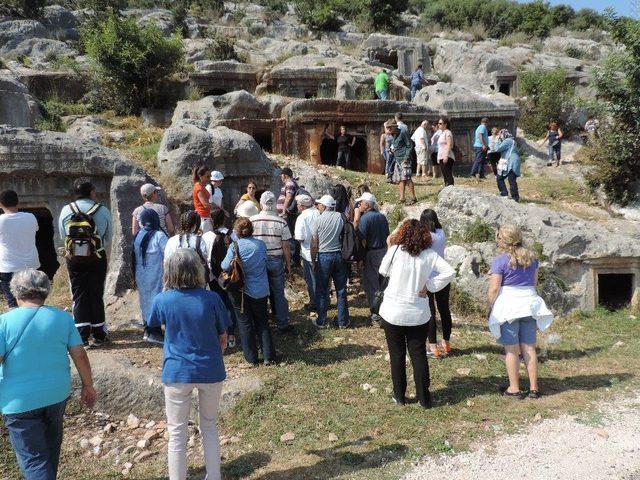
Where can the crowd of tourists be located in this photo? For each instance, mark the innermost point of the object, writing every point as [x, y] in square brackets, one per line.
[204, 287]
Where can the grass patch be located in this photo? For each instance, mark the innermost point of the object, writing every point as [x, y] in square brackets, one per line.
[395, 216]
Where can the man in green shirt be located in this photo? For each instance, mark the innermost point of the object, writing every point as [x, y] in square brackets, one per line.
[382, 85]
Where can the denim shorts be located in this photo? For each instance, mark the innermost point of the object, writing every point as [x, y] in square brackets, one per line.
[522, 330]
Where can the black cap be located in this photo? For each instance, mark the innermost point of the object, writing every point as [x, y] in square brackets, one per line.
[286, 171]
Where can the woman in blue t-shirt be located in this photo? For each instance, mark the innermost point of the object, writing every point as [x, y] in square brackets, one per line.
[195, 335]
[515, 309]
[35, 378]
[251, 302]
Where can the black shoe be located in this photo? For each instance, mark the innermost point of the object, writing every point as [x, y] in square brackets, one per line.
[310, 308]
[535, 394]
[287, 329]
[428, 403]
[153, 337]
[101, 341]
[506, 393]
[398, 401]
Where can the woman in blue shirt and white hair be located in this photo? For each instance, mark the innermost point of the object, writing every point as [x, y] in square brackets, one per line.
[509, 164]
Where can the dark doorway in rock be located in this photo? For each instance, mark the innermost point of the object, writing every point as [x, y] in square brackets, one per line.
[359, 155]
[504, 88]
[310, 94]
[44, 241]
[215, 91]
[615, 290]
[389, 58]
[328, 151]
[263, 137]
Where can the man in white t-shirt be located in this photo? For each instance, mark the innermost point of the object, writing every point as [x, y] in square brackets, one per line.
[302, 233]
[420, 139]
[17, 242]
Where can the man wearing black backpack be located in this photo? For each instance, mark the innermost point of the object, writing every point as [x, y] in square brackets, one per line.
[85, 226]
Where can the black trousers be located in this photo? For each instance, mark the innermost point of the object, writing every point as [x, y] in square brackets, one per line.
[513, 186]
[447, 172]
[441, 299]
[253, 324]
[344, 159]
[87, 289]
[399, 340]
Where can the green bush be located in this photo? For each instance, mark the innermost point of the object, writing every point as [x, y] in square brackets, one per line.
[575, 52]
[274, 8]
[478, 231]
[614, 157]
[131, 63]
[371, 15]
[503, 17]
[223, 48]
[548, 97]
[320, 16]
[53, 110]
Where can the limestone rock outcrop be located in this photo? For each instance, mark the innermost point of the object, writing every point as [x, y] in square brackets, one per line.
[42, 166]
[205, 112]
[17, 106]
[13, 32]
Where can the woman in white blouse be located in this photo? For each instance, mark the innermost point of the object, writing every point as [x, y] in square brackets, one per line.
[414, 269]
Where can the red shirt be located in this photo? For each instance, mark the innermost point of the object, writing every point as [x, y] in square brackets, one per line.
[203, 210]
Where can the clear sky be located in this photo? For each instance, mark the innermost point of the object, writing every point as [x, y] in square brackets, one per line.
[622, 7]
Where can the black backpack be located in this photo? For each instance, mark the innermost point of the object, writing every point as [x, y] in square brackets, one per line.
[219, 251]
[293, 206]
[351, 246]
[83, 244]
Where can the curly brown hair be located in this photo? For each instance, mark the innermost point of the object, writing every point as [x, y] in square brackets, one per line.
[243, 227]
[413, 237]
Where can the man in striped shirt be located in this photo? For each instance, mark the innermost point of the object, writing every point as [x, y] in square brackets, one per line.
[273, 230]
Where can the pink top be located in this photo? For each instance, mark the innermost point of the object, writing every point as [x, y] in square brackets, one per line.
[442, 145]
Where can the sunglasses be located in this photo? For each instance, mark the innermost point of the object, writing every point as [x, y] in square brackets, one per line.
[251, 188]
[440, 123]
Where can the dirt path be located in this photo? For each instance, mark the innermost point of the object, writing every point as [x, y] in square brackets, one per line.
[601, 445]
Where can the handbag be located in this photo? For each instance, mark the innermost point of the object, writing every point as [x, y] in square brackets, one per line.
[234, 277]
[6, 355]
[378, 296]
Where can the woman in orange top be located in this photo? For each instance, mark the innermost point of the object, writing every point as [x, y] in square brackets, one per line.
[201, 197]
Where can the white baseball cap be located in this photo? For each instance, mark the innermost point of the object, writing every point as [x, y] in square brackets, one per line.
[267, 198]
[304, 200]
[327, 201]
[147, 189]
[367, 197]
[216, 176]
[247, 209]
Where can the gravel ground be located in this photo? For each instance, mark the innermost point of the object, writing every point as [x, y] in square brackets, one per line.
[605, 445]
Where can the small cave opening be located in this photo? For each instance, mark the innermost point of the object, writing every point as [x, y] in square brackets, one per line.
[328, 151]
[215, 91]
[615, 290]
[263, 138]
[359, 156]
[44, 240]
[505, 88]
[389, 58]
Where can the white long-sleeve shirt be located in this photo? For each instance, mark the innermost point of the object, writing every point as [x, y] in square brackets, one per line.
[407, 277]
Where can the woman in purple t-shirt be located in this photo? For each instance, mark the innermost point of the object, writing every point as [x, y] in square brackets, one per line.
[516, 310]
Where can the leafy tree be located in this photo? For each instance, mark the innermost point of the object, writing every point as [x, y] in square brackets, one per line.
[615, 158]
[548, 96]
[561, 15]
[131, 63]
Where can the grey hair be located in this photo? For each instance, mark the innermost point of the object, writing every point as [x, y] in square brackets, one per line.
[183, 270]
[30, 284]
[269, 208]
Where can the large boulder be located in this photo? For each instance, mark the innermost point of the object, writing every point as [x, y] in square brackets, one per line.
[17, 106]
[236, 154]
[454, 97]
[13, 32]
[162, 19]
[61, 23]
[40, 50]
[572, 247]
[207, 111]
[42, 166]
[403, 53]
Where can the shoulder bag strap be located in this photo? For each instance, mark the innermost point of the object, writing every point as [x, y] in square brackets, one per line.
[74, 207]
[391, 262]
[6, 355]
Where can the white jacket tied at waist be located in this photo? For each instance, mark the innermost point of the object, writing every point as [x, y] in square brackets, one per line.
[519, 302]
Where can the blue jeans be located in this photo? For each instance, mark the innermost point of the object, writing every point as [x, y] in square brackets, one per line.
[478, 162]
[5, 281]
[332, 266]
[279, 304]
[389, 163]
[383, 94]
[36, 437]
[555, 152]
[513, 185]
[310, 279]
[414, 90]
